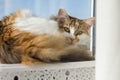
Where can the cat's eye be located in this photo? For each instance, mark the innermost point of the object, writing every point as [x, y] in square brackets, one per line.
[67, 29]
[79, 33]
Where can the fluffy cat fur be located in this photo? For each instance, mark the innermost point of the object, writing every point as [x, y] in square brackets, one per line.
[26, 47]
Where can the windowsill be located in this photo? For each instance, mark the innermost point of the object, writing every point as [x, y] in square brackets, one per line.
[6, 67]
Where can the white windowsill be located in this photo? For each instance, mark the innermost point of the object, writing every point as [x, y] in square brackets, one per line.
[13, 67]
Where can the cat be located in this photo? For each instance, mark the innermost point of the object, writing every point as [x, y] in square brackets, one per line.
[26, 47]
[78, 29]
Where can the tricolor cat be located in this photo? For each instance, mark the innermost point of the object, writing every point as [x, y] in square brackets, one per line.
[20, 43]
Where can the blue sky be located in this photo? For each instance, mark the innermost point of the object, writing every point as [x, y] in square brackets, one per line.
[46, 8]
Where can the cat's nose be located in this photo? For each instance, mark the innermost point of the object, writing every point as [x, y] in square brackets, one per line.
[74, 39]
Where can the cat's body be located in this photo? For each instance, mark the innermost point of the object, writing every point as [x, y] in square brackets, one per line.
[20, 46]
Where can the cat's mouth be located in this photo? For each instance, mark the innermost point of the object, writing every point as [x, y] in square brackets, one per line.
[72, 40]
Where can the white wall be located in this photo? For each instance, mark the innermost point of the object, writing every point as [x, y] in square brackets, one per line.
[108, 40]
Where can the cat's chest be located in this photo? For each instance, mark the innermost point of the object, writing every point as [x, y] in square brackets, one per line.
[37, 25]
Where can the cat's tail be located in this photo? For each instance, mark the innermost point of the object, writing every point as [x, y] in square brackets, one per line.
[68, 54]
[76, 54]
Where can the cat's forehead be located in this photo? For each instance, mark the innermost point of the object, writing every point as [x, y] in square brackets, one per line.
[76, 20]
[78, 24]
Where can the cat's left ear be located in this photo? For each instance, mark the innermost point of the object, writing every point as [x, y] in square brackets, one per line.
[90, 22]
[62, 15]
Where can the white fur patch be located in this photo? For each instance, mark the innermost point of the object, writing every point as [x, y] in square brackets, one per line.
[72, 31]
[84, 41]
[37, 25]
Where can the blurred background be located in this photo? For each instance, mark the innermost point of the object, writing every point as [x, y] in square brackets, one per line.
[45, 8]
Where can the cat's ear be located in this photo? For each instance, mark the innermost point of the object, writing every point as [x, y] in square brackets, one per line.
[62, 12]
[90, 22]
[62, 15]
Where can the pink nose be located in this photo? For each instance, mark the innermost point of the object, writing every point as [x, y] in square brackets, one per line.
[72, 40]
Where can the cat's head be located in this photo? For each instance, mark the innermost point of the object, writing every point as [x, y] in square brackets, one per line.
[72, 26]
